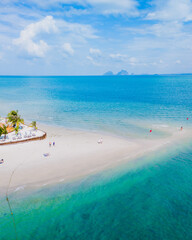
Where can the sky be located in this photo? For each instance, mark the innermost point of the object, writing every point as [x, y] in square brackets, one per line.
[91, 37]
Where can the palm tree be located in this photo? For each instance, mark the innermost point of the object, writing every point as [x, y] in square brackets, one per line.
[16, 130]
[14, 118]
[1, 131]
[34, 124]
[4, 131]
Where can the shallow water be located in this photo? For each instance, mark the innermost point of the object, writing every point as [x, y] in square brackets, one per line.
[150, 198]
[147, 200]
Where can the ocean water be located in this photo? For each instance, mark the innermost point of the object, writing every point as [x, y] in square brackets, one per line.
[150, 198]
[124, 105]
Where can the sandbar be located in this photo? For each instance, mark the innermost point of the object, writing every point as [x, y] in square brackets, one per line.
[76, 154]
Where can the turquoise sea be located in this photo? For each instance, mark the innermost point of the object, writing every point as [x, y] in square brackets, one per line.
[148, 199]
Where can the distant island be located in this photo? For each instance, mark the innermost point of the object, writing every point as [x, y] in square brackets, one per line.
[121, 73]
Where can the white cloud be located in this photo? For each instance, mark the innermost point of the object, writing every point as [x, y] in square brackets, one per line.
[76, 30]
[95, 52]
[172, 10]
[178, 61]
[35, 43]
[118, 56]
[27, 38]
[95, 56]
[155, 44]
[133, 61]
[74, 11]
[67, 48]
[168, 29]
[93, 61]
[90, 58]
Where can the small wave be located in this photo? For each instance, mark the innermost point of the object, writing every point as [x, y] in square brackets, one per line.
[44, 184]
[61, 180]
[19, 188]
[160, 126]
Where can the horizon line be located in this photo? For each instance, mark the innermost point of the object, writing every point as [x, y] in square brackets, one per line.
[99, 75]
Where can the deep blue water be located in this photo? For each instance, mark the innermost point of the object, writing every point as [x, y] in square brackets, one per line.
[150, 199]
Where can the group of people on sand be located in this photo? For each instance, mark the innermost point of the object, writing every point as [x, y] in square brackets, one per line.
[50, 144]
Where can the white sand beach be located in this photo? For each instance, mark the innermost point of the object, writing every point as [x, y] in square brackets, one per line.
[75, 154]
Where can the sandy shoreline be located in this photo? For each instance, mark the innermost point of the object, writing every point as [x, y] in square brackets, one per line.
[76, 154]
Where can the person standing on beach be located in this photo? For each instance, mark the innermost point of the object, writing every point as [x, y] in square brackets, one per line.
[53, 143]
[100, 141]
[49, 144]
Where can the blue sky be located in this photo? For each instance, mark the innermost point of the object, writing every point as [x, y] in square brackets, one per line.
[90, 37]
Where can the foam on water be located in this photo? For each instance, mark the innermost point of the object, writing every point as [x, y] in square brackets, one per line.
[20, 188]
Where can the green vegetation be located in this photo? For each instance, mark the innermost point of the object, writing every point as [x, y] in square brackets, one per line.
[34, 125]
[16, 129]
[3, 130]
[12, 123]
[14, 118]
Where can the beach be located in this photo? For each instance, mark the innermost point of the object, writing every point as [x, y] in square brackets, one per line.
[76, 154]
[136, 183]
[96, 120]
